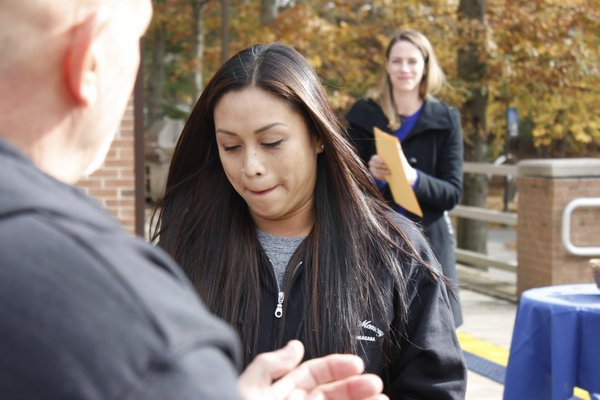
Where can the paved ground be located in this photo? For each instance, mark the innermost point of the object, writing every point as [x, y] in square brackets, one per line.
[490, 320]
[489, 307]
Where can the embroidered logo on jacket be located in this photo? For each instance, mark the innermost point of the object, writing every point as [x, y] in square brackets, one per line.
[370, 337]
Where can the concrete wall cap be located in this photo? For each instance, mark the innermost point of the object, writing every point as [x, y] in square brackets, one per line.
[560, 168]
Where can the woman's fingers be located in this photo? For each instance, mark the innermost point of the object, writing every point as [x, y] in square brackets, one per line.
[378, 167]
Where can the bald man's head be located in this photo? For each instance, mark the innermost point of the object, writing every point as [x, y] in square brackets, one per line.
[26, 23]
[71, 64]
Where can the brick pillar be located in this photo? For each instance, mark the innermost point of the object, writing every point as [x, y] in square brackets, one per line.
[114, 183]
[545, 188]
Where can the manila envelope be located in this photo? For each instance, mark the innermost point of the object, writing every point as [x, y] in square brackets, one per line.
[388, 148]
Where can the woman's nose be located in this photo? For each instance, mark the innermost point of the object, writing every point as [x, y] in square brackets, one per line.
[253, 164]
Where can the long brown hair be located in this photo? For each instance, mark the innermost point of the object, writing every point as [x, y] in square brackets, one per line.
[206, 226]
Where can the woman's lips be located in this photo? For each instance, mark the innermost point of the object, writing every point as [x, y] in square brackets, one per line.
[261, 192]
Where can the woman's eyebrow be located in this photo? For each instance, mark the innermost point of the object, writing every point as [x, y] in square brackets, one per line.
[257, 131]
[267, 127]
[224, 131]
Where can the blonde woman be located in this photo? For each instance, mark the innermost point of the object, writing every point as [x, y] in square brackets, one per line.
[431, 138]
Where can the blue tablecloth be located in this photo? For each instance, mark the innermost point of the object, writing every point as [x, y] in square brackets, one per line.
[555, 344]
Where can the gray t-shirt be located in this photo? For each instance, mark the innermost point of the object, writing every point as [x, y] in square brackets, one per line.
[279, 249]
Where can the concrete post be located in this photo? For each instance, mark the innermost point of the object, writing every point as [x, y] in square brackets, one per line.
[545, 187]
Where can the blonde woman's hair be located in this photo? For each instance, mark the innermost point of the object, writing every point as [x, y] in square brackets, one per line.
[433, 80]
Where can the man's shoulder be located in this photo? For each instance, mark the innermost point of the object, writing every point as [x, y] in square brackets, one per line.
[26, 189]
[85, 302]
[107, 268]
[93, 310]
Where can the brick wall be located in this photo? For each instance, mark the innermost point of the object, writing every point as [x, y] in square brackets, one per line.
[114, 184]
[545, 188]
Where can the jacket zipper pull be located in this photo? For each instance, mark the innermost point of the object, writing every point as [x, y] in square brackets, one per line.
[279, 309]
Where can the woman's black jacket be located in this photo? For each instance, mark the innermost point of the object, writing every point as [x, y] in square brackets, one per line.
[426, 364]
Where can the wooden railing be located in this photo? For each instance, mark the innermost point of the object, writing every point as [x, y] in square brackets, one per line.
[483, 214]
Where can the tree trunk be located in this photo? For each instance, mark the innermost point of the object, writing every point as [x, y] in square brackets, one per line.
[224, 30]
[197, 48]
[268, 11]
[156, 75]
[472, 234]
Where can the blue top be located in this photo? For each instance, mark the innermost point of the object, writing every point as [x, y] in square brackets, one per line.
[407, 123]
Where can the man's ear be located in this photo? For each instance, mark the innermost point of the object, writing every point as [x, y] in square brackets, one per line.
[80, 61]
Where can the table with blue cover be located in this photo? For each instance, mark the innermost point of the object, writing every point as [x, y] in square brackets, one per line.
[555, 344]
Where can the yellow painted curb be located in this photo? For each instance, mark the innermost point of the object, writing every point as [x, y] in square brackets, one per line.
[483, 349]
[496, 354]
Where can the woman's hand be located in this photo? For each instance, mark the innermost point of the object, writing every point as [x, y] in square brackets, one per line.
[277, 376]
[409, 171]
[378, 168]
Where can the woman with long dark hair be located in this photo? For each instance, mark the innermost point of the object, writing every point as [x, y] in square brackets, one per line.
[278, 225]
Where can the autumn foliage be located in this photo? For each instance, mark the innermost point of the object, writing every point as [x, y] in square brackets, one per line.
[540, 56]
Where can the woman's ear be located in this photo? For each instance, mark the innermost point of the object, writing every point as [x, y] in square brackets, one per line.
[80, 61]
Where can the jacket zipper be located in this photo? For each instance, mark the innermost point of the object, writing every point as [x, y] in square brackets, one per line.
[279, 309]
[280, 294]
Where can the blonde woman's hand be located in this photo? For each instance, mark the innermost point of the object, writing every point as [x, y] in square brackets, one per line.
[378, 168]
[409, 171]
